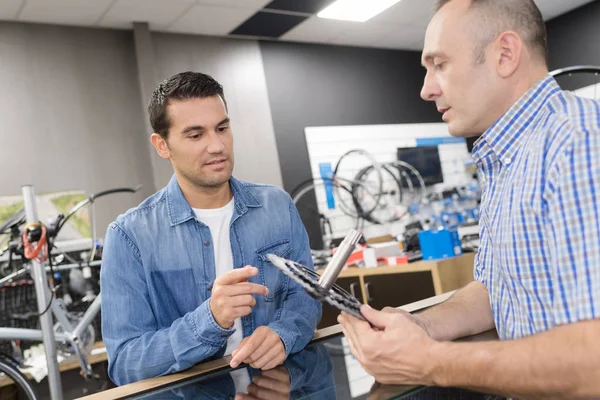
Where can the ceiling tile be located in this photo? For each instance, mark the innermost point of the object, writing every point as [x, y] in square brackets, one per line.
[9, 9]
[249, 4]
[159, 14]
[406, 11]
[68, 12]
[317, 29]
[268, 24]
[209, 20]
[362, 34]
[304, 6]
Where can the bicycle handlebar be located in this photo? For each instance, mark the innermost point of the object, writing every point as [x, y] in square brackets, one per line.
[61, 221]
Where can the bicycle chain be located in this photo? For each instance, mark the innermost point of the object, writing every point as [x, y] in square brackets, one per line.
[309, 280]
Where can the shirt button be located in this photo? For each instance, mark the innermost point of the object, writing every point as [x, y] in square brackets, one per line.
[507, 161]
[207, 243]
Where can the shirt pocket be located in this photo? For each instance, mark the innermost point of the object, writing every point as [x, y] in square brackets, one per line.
[270, 276]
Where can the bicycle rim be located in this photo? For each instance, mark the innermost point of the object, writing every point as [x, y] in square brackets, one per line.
[23, 387]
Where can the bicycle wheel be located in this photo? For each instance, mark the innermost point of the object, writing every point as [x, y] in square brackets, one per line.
[583, 80]
[22, 387]
[307, 199]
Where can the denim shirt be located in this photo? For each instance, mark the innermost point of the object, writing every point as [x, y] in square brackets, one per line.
[158, 268]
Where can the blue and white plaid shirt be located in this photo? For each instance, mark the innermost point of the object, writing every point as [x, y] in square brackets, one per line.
[540, 212]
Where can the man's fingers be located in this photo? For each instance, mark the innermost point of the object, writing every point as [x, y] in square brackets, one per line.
[275, 362]
[271, 384]
[242, 311]
[266, 394]
[243, 288]
[242, 343]
[260, 351]
[280, 374]
[346, 321]
[243, 352]
[377, 318]
[237, 275]
[244, 300]
[266, 357]
[243, 396]
[390, 310]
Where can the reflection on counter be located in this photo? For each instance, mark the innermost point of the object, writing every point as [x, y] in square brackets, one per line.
[308, 374]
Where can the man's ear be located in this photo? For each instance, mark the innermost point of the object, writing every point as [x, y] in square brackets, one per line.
[509, 50]
[161, 146]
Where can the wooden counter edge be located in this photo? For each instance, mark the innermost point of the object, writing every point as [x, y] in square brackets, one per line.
[210, 366]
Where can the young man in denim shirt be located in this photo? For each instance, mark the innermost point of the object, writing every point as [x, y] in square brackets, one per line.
[184, 275]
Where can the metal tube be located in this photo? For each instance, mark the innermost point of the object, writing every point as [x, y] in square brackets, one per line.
[27, 334]
[88, 317]
[41, 283]
[57, 268]
[339, 259]
[60, 313]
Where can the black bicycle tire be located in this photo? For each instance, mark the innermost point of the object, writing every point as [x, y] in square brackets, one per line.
[312, 182]
[305, 188]
[375, 165]
[368, 216]
[587, 69]
[9, 368]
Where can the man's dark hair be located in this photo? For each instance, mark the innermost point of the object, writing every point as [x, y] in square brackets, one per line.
[182, 86]
[492, 17]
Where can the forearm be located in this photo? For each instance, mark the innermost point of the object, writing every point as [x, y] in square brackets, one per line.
[466, 313]
[561, 363]
[189, 340]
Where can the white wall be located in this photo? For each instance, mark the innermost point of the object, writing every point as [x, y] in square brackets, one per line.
[69, 114]
[590, 92]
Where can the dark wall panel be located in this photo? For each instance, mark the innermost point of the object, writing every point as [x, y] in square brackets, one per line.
[573, 38]
[319, 85]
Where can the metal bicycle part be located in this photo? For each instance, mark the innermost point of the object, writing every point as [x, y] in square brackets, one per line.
[582, 78]
[10, 369]
[421, 192]
[373, 162]
[86, 340]
[309, 280]
[390, 196]
[306, 209]
[404, 189]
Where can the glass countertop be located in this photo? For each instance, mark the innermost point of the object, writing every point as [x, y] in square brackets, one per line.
[324, 370]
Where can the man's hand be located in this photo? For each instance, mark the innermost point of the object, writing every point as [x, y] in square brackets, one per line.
[271, 385]
[398, 353]
[261, 350]
[232, 296]
[422, 322]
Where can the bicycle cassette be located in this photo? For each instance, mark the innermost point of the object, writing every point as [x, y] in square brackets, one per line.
[309, 280]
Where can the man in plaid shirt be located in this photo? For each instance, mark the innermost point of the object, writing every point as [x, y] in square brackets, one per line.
[537, 273]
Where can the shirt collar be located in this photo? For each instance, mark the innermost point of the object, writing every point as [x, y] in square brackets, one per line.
[180, 210]
[503, 137]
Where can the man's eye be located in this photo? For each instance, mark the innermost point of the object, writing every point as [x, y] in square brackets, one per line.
[223, 128]
[194, 136]
[439, 65]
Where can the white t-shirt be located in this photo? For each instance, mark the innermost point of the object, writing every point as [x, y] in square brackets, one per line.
[218, 220]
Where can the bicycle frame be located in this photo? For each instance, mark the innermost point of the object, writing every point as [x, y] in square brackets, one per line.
[72, 334]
